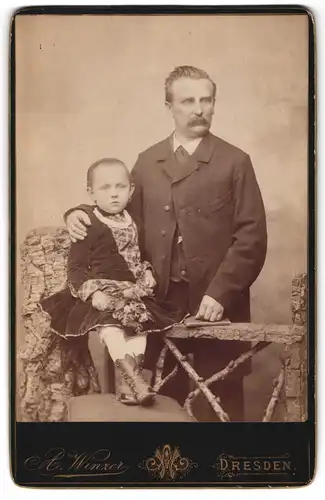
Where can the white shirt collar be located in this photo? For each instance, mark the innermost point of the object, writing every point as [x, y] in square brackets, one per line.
[190, 145]
[110, 222]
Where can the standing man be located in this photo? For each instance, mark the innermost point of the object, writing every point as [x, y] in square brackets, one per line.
[202, 226]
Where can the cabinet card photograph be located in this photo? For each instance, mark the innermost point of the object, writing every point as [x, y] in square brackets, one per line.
[163, 165]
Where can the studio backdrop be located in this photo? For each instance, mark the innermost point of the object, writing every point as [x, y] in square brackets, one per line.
[93, 86]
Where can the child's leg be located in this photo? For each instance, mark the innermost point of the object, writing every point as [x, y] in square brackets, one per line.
[118, 345]
[136, 345]
[113, 338]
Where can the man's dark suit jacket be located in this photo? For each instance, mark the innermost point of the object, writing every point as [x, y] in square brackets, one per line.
[217, 203]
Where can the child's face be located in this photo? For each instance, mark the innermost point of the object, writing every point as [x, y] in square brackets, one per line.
[111, 188]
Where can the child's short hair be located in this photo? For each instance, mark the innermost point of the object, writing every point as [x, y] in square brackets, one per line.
[107, 161]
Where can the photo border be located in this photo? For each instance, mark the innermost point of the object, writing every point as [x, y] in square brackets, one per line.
[297, 440]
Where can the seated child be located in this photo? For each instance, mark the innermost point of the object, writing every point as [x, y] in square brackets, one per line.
[109, 288]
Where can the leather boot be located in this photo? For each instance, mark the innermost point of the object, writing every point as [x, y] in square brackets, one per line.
[123, 391]
[130, 369]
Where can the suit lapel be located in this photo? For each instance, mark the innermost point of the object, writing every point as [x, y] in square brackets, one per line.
[182, 170]
[166, 159]
[176, 171]
[204, 151]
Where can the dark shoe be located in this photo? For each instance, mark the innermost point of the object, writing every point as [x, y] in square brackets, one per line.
[130, 369]
[123, 392]
[145, 376]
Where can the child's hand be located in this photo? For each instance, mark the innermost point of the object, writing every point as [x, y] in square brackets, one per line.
[129, 293]
[149, 280]
[100, 301]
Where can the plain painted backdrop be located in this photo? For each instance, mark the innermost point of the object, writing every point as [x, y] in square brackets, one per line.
[93, 86]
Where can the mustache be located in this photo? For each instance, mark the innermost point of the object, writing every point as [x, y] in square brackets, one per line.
[199, 120]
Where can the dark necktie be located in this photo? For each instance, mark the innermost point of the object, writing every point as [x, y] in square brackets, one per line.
[181, 154]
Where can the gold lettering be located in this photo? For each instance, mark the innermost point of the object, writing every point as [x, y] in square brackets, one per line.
[286, 465]
[51, 463]
[79, 461]
[257, 465]
[223, 464]
[247, 465]
[95, 466]
[235, 465]
[98, 452]
[32, 462]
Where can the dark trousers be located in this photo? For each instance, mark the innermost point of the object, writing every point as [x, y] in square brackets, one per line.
[208, 358]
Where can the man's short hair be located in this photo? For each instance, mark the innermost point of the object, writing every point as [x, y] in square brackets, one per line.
[188, 72]
[105, 161]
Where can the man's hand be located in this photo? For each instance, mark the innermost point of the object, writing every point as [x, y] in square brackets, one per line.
[149, 280]
[99, 300]
[76, 224]
[210, 309]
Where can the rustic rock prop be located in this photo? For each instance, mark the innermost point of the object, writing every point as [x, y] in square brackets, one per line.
[52, 369]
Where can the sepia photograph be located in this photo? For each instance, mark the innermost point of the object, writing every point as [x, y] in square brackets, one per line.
[161, 167]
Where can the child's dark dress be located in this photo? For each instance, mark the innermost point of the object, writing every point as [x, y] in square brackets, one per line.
[108, 259]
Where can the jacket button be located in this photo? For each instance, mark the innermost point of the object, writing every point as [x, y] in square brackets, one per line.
[183, 272]
[163, 232]
[166, 208]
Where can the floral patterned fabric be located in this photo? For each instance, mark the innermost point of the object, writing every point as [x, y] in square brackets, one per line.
[131, 313]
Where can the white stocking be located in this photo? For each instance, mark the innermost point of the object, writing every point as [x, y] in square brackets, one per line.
[118, 345]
